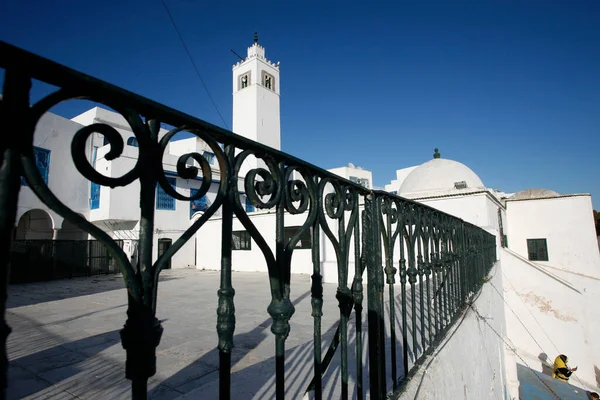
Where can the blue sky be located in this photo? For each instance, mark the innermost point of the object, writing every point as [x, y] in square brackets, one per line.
[510, 88]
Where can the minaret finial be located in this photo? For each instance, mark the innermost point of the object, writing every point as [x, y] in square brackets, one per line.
[256, 37]
[436, 154]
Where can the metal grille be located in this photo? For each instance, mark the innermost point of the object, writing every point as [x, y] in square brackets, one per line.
[165, 201]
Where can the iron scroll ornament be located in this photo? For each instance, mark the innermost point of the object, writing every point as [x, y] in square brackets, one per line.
[142, 331]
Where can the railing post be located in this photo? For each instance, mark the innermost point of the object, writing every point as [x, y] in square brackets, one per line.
[14, 109]
[375, 299]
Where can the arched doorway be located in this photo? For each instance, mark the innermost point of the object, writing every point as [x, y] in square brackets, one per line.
[34, 225]
[31, 252]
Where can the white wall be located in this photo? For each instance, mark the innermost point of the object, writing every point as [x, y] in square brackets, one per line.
[554, 312]
[473, 208]
[401, 174]
[567, 225]
[347, 172]
[209, 248]
[472, 364]
[209, 245]
[55, 133]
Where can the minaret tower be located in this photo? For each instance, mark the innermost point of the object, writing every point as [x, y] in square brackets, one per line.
[256, 97]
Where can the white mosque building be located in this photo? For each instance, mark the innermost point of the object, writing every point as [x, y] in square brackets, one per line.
[547, 245]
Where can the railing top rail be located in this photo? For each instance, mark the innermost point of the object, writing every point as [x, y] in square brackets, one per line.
[71, 80]
[68, 79]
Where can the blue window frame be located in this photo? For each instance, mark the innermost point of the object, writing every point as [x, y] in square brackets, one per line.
[210, 157]
[249, 206]
[201, 204]
[164, 201]
[132, 141]
[42, 161]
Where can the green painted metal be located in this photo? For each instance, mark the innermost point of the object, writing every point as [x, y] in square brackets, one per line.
[442, 258]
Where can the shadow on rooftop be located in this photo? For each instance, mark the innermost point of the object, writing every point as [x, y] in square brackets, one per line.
[27, 294]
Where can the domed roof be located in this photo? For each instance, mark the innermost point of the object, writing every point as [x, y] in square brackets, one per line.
[534, 194]
[438, 175]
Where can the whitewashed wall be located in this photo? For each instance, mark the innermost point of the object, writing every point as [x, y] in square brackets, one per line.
[55, 133]
[472, 364]
[209, 248]
[566, 223]
[554, 312]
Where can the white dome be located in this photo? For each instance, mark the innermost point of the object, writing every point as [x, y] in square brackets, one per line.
[440, 175]
[534, 194]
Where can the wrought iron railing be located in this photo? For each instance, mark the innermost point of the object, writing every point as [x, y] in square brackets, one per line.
[440, 261]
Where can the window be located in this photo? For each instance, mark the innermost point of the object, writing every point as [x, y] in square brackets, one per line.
[201, 204]
[537, 249]
[241, 240]
[361, 181]
[249, 206]
[268, 81]
[244, 81]
[94, 196]
[164, 201]
[42, 161]
[132, 141]
[94, 187]
[210, 157]
[305, 241]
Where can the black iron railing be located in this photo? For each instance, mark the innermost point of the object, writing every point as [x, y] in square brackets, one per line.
[45, 260]
[439, 260]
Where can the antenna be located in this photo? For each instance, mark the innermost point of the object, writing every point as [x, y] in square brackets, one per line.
[237, 55]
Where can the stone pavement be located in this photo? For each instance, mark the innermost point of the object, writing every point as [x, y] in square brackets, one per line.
[65, 341]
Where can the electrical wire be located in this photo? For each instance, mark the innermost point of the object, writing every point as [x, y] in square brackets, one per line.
[193, 63]
[514, 350]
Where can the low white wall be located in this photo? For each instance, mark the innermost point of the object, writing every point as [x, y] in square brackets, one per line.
[470, 362]
[209, 245]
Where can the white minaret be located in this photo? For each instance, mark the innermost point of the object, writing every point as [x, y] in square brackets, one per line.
[256, 98]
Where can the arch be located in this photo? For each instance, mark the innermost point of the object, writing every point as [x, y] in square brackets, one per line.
[35, 224]
[69, 231]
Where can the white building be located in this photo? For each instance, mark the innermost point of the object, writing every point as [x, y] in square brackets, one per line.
[550, 260]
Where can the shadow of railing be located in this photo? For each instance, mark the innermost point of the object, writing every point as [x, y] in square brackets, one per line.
[27, 294]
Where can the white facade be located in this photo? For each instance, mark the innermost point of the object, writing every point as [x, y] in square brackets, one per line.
[53, 136]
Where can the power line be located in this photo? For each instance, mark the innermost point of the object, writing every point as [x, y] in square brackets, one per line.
[193, 63]
[514, 350]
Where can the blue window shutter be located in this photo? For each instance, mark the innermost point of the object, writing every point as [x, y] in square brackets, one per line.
[95, 196]
[94, 187]
[201, 204]
[164, 201]
[42, 161]
[249, 206]
[132, 141]
[210, 157]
